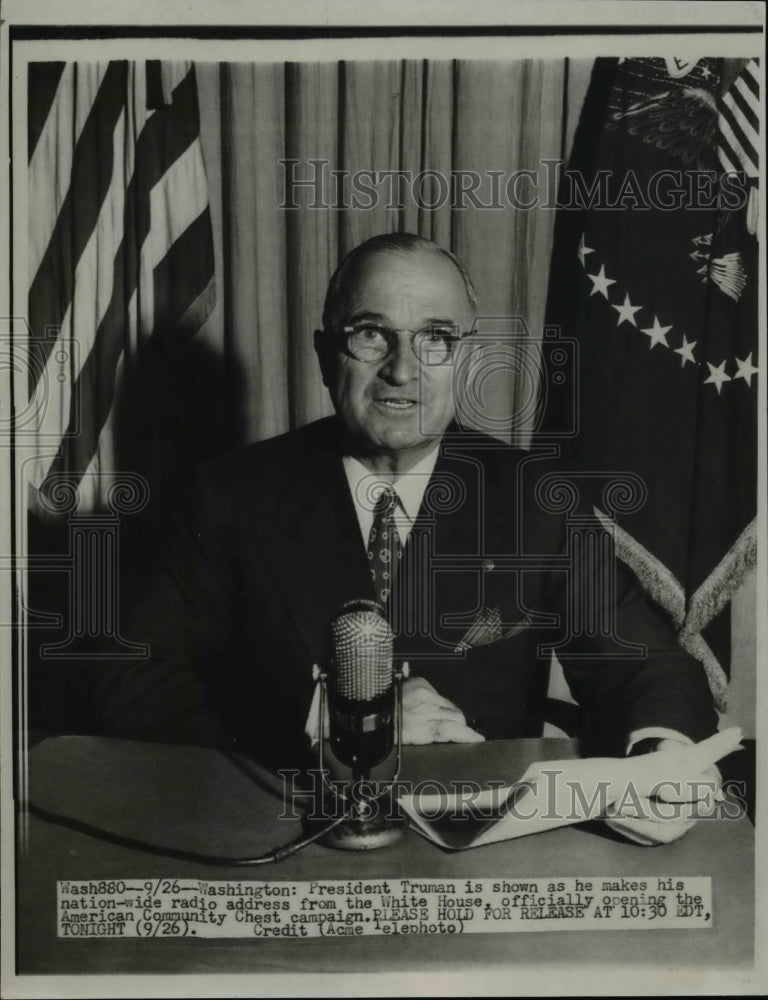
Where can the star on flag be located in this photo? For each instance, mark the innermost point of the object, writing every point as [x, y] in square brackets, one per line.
[745, 369]
[600, 282]
[626, 312]
[717, 376]
[657, 333]
[685, 350]
[583, 251]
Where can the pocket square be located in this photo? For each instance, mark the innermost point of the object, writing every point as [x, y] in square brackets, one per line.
[488, 628]
[518, 627]
[485, 629]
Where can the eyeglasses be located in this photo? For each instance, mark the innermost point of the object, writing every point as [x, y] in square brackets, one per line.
[372, 342]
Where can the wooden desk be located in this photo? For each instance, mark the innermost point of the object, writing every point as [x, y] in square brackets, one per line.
[202, 801]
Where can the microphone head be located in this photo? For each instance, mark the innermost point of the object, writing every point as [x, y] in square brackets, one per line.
[362, 642]
[361, 708]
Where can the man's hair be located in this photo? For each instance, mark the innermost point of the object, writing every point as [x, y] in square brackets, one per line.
[335, 297]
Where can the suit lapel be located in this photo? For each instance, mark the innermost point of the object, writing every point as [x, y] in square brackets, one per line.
[310, 537]
[314, 549]
[438, 590]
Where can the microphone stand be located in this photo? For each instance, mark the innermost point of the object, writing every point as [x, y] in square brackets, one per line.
[364, 828]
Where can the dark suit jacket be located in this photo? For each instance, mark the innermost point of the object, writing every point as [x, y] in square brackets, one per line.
[269, 549]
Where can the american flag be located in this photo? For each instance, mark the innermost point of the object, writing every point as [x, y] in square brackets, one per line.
[120, 248]
[738, 146]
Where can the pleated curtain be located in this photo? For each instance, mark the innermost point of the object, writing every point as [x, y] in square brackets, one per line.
[273, 263]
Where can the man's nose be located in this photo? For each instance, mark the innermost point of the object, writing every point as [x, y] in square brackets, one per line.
[401, 365]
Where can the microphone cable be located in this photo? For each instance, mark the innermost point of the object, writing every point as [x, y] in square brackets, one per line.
[223, 861]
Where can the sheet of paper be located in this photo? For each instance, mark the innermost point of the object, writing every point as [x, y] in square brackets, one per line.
[562, 792]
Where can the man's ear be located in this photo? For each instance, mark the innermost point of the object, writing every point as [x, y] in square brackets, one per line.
[323, 352]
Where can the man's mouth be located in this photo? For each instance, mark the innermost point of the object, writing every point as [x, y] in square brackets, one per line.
[396, 402]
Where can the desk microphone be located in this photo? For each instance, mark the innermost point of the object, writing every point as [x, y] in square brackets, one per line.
[363, 693]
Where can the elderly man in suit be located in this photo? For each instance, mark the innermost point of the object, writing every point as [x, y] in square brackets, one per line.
[392, 500]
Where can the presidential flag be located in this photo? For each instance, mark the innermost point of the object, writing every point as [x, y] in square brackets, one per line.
[655, 276]
[120, 251]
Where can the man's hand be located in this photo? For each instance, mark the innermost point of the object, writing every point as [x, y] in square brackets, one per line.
[681, 799]
[430, 718]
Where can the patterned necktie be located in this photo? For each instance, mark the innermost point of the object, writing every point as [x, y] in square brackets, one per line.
[384, 546]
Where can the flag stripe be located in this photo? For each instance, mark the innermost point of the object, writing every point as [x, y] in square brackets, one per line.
[739, 139]
[731, 140]
[94, 388]
[728, 157]
[730, 124]
[93, 273]
[48, 185]
[91, 176]
[167, 135]
[102, 469]
[749, 77]
[157, 146]
[741, 106]
[92, 292]
[42, 84]
[747, 96]
[176, 201]
[184, 273]
[48, 188]
[155, 96]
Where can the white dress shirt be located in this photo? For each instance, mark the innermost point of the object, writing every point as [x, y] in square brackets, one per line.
[366, 487]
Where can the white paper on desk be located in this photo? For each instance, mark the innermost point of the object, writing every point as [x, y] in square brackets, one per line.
[558, 793]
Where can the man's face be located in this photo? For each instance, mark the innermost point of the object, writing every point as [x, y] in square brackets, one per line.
[397, 407]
